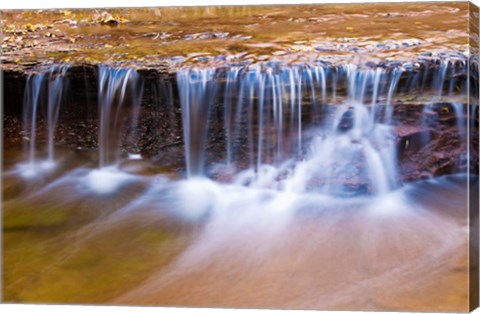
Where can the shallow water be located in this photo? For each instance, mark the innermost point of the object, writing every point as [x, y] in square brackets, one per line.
[401, 251]
[86, 235]
[188, 34]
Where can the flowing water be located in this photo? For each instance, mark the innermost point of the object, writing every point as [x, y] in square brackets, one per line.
[275, 111]
[44, 91]
[313, 213]
[115, 108]
[119, 98]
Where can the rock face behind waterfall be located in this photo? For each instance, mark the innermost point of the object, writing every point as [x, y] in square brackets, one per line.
[446, 150]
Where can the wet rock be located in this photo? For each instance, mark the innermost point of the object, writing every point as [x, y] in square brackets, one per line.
[347, 120]
[241, 37]
[206, 35]
[106, 18]
[177, 59]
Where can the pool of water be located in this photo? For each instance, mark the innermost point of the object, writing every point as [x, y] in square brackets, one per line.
[134, 235]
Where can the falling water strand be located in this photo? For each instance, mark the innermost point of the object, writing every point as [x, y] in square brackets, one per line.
[197, 94]
[439, 80]
[230, 91]
[376, 84]
[56, 89]
[119, 97]
[396, 74]
[260, 106]
[30, 107]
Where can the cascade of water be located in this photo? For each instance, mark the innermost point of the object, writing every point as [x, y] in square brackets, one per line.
[295, 91]
[260, 104]
[264, 107]
[273, 98]
[437, 87]
[321, 77]
[44, 92]
[266, 131]
[356, 146]
[446, 71]
[119, 96]
[377, 76]
[269, 119]
[56, 89]
[393, 85]
[30, 107]
[453, 80]
[439, 80]
[197, 90]
[230, 90]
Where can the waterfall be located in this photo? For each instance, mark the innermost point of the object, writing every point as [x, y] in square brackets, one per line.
[30, 107]
[197, 94]
[119, 97]
[56, 89]
[265, 106]
[393, 85]
[44, 94]
[120, 93]
[315, 126]
[230, 89]
[447, 70]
